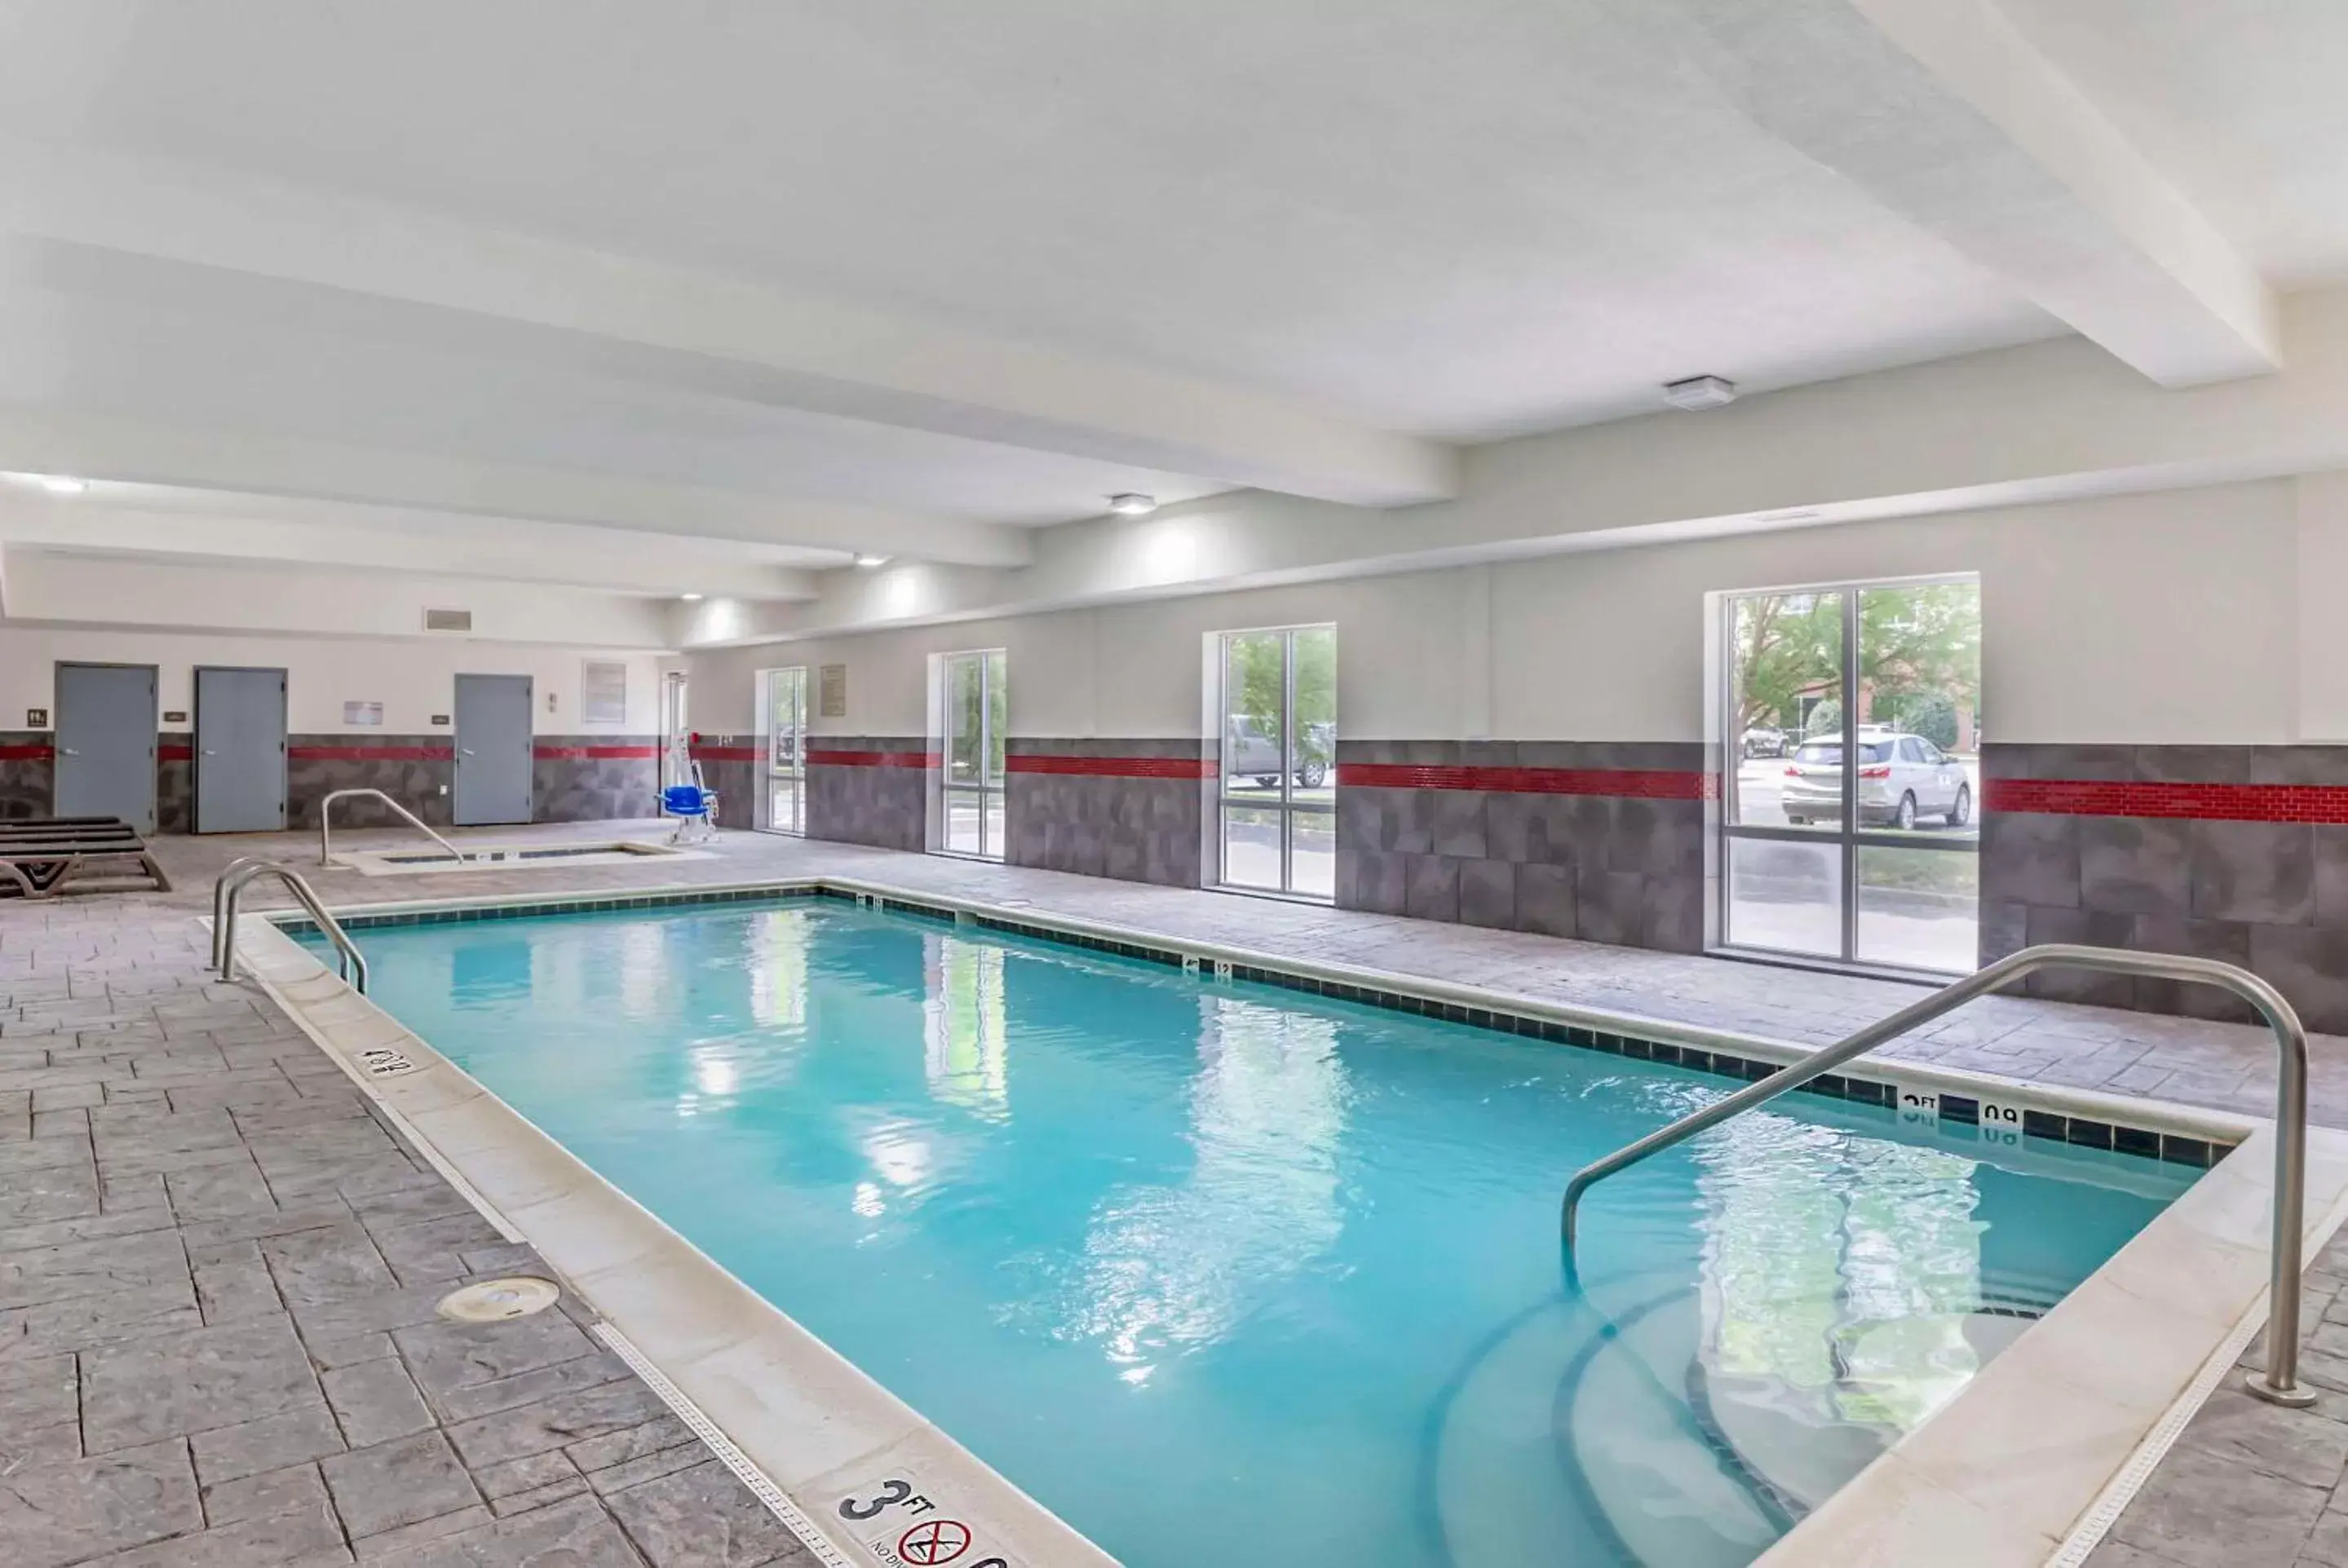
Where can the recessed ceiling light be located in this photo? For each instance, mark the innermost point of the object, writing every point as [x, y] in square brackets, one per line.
[690, 598]
[1700, 392]
[1130, 504]
[63, 484]
[871, 560]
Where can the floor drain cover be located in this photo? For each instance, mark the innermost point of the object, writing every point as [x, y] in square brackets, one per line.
[495, 1300]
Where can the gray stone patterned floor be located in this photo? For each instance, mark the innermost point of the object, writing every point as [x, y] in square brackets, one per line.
[218, 1270]
[218, 1347]
[2250, 1484]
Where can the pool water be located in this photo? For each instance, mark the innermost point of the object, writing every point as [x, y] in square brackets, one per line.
[1226, 1272]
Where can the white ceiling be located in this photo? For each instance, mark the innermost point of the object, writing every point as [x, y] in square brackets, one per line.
[2243, 102]
[1467, 219]
[817, 278]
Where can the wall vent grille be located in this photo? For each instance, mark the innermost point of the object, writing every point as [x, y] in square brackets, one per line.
[448, 621]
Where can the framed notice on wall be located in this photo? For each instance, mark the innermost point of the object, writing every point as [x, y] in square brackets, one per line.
[831, 692]
[603, 692]
[362, 713]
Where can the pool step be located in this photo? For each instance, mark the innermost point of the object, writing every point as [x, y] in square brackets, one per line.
[1559, 1445]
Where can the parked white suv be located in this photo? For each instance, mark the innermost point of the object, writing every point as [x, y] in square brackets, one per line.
[1901, 778]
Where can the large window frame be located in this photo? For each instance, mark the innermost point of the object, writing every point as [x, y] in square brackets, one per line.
[971, 765]
[1297, 804]
[1847, 838]
[783, 718]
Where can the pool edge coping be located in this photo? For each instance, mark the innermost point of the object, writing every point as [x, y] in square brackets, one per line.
[1927, 1486]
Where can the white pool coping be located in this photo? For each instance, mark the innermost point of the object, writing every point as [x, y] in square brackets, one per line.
[2029, 1457]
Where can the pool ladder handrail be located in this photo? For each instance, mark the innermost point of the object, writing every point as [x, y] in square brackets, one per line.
[350, 963]
[2280, 1383]
[326, 822]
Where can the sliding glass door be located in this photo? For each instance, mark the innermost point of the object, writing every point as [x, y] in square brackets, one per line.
[1852, 774]
[1279, 762]
[977, 711]
[784, 709]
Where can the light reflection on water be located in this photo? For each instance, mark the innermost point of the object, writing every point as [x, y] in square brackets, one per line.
[1266, 1276]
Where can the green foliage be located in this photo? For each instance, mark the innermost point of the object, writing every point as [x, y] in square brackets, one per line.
[1256, 680]
[1930, 714]
[1913, 641]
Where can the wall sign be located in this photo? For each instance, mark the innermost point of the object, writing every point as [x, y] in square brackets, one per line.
[831, 692]
[440, 718]
[362, 713]
[174, 716]
[36, 718]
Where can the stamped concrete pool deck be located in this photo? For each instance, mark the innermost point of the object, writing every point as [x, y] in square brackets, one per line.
[218, 1266]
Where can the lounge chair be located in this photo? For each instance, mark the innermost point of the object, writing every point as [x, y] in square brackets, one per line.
[37, 865]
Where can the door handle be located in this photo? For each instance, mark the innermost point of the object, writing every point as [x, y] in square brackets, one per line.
[464, 751]
[210, 752]
[68, 751]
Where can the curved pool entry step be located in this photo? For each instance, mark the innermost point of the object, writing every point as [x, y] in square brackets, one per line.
[1625, 1443]
[1595, 1461]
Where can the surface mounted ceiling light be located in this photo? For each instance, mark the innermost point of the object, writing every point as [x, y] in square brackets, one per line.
[63, 484]
[690, 598]
[871, 560]
[1700, 392]
[1130, 504]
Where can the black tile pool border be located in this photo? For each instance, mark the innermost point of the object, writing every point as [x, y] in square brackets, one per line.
[2052, 1126]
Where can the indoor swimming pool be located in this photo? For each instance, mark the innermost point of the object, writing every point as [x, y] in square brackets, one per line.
[1222, 1271]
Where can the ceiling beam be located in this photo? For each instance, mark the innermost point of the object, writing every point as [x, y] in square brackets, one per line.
[1944, 112]
[40, 440]
[369, 263]
[379, 539]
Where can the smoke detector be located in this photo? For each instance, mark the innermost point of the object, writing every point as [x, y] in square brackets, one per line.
[1700, 392]
[1132, 505]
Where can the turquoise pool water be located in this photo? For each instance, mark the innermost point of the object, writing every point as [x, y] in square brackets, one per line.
[1230, 1274]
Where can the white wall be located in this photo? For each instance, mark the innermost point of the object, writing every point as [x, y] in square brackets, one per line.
[2162, 619]
[414, 678]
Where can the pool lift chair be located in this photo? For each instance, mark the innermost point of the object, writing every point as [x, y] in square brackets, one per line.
[695, 806]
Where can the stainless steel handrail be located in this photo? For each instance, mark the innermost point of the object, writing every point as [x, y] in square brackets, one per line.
[326, 822]
[2280, 1383]
[350, 963]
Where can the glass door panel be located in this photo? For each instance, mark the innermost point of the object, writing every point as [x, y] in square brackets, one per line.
[976, 705]
[786, 736]
[1852, 775]
[1278, 766]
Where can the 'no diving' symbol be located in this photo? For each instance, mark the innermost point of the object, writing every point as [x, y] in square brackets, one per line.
[939, 1541]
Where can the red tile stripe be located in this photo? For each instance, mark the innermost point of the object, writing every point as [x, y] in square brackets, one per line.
[174, 752]
[1111, 767]
[597, 753]
[36, 752]
[820, 759]
[724, 753]
[1637, 784]
[2200, 802]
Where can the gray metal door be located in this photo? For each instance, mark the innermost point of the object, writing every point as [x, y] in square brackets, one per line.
[105, 742]
[240, 751]
[493, 749]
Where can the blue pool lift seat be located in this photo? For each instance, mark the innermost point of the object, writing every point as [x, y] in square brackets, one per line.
[695, 806]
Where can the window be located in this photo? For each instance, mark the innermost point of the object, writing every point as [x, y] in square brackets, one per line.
[1279, 762]
[603, 692]
[1848, 827]
[976, 707]
[784, 712]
